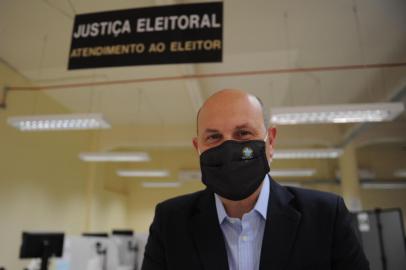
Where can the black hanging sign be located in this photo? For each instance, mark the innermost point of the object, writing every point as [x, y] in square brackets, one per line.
[185, 33]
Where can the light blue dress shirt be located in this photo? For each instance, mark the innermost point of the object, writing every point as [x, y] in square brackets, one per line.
[243, 237]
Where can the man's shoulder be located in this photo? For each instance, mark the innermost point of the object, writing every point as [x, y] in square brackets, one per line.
[314, 199]
[311, 194]
[183, 203]
[317, 208]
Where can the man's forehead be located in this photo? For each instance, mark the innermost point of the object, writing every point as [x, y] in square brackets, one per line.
[229, 117]
[235, 100]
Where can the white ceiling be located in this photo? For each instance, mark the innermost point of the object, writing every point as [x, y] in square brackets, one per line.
[258, 35]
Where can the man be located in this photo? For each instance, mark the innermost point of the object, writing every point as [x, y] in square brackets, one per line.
[244, 220]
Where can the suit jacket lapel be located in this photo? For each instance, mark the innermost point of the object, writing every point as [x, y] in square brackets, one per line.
[207, 234]
[280, 229]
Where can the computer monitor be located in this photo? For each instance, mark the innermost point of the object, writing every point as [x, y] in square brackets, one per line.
[42, 246]
[392, 236]
[141, 239]
[84, 253]
[98, 234]
[381, 232]
[123, 251]
[123, 232]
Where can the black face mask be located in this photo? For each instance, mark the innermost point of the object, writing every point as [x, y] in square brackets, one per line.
[234, 169]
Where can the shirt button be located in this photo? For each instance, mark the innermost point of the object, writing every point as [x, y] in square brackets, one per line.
[244, 238]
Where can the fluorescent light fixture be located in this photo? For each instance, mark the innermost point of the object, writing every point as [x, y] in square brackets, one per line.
[292, 172]
[59, 122]
[143, 173]
[380, 185]
[400, 173]
[366, 174]
[362, 174]
[189, 175]
[307, 153]
[161, 184]
[346, 113]
[115, 157]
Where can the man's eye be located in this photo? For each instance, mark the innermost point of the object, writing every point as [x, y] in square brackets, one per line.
[213, 137]
[243, 133]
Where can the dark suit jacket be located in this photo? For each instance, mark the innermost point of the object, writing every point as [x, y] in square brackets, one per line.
[305, 229]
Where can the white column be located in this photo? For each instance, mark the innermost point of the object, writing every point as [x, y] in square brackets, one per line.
[350, 184]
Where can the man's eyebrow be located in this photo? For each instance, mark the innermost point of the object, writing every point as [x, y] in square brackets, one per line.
[245, 125]
[209, 130]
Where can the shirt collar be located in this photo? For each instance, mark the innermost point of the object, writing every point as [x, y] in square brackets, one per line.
[261, 206]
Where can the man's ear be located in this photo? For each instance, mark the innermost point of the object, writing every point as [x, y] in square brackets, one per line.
[271, 142]
[272, 136]
[194, 140]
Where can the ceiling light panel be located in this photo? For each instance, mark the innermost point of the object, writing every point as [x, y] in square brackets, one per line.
[59, 122]
[115, 157]
[143, 173]
[380, 185]
[307, 153]
[292, 172]
[400, 173]
[161, 184]
[353, 113]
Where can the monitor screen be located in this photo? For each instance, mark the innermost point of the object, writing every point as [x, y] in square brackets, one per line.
[101, 234]
[123, 232]
[35, 245]
[382, 235]
[123, 251]
[84, 253]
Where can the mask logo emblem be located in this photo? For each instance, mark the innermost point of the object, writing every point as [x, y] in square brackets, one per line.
[247, 153]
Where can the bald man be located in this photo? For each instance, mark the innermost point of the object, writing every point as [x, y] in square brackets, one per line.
[244, 220]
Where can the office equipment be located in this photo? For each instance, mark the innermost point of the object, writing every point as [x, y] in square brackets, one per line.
[95, 251]
[86, 253]
[123, 251]
[99, 234]
[381, 233]
[41, 245]
[141, 239]
[123, 232]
